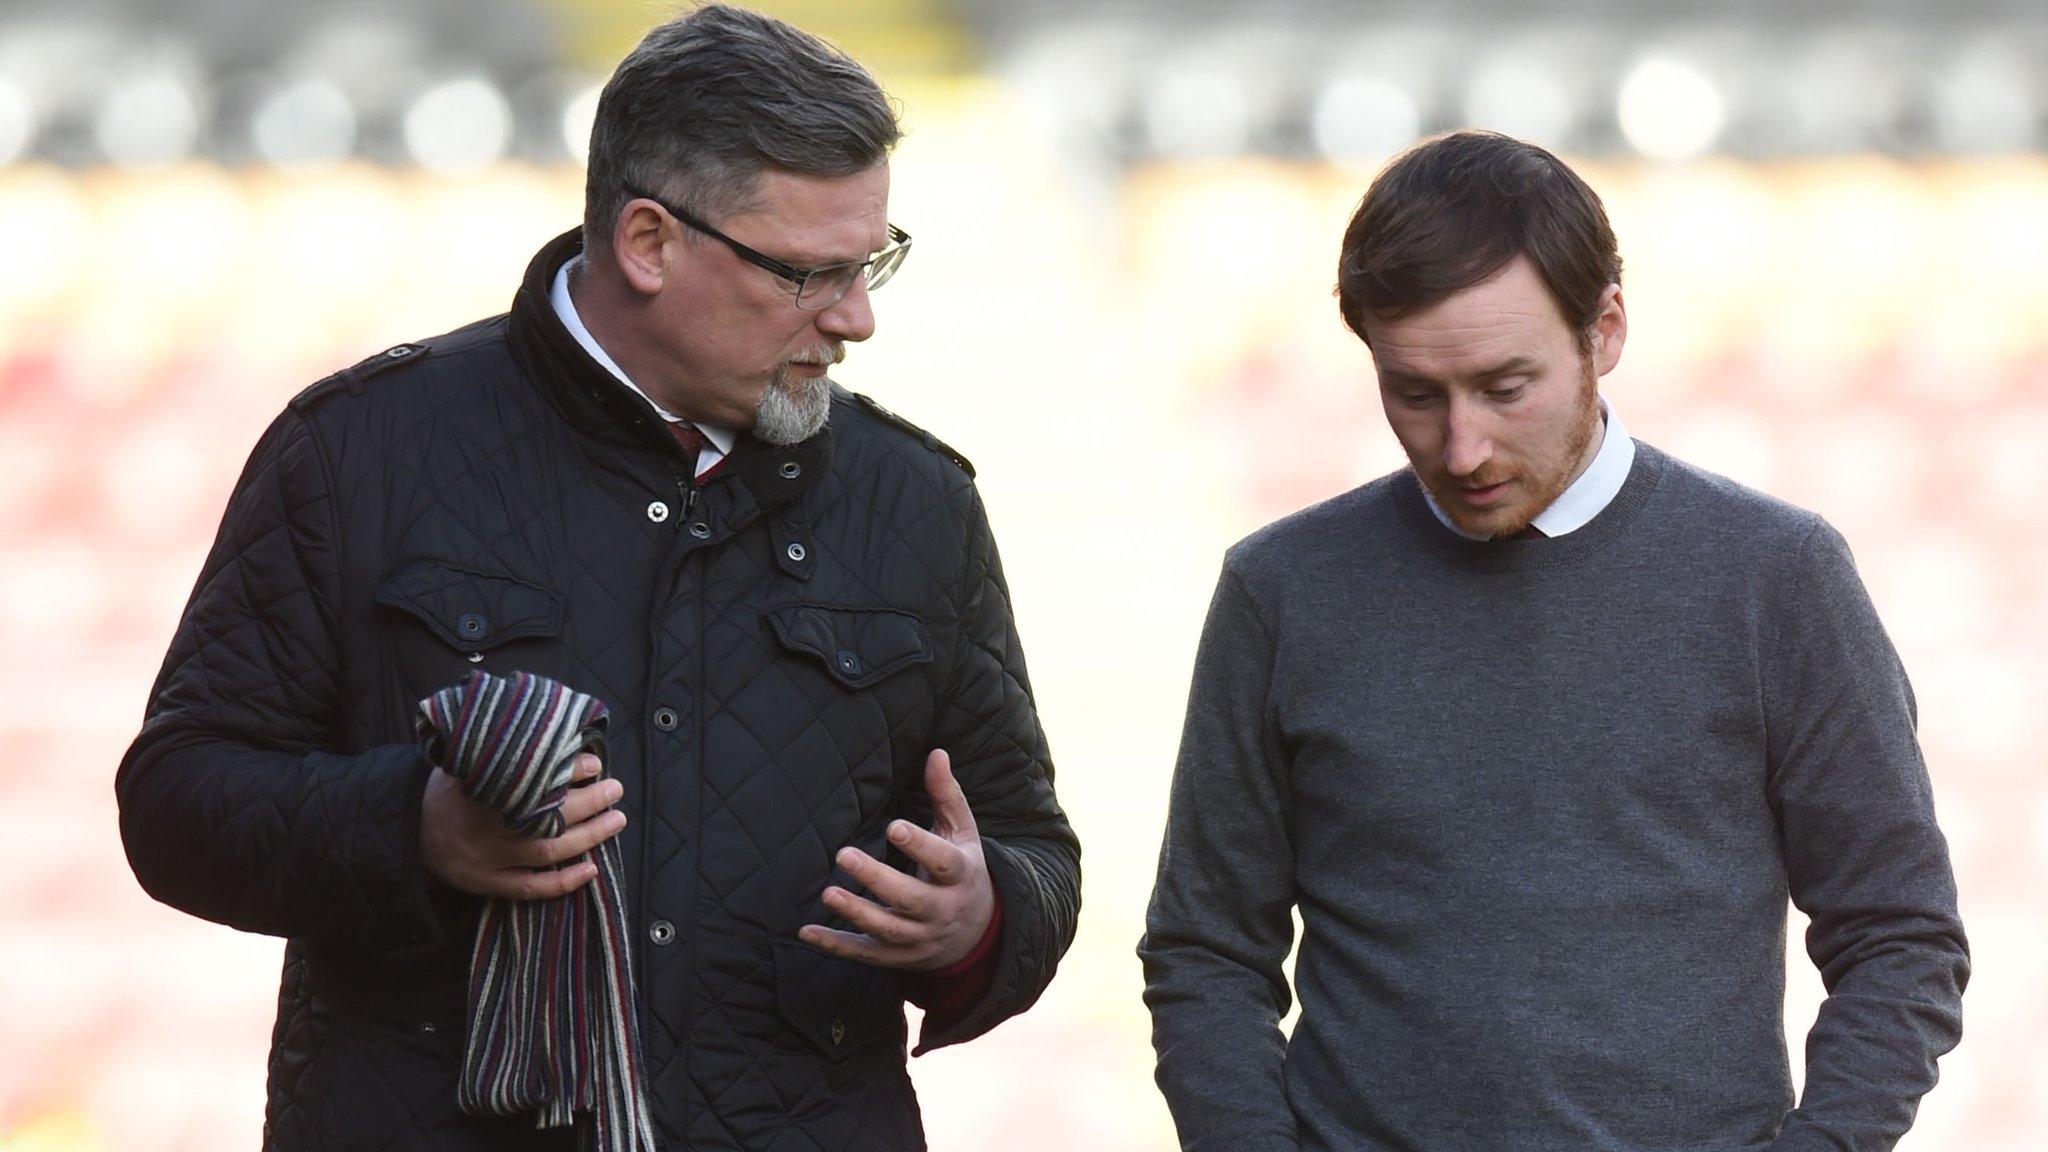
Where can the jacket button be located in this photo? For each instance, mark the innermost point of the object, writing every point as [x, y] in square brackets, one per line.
[665, 719]
[429, 1028]
[701, 530]
[797, 553]
[849, 663]
[470, 624]
[838, 1030]
[657, 511]
[792, 470]
[661, 932]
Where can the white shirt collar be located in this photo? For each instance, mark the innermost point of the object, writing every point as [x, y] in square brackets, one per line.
[565, 307]
[1588, 495]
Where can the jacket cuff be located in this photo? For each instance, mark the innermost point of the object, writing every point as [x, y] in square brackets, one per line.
[1018, 977]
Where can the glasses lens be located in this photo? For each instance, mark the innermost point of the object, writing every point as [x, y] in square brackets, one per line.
[885, 264]
[825, 287]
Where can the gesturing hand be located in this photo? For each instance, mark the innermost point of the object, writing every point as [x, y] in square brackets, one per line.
[926, 921]
[466, 845]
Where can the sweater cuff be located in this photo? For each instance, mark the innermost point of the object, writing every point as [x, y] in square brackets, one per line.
[949, 993]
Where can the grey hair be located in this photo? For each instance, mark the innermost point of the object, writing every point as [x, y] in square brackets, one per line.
[714, 97]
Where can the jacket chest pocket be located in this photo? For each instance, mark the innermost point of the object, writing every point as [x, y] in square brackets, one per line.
[446, 621]
[854, 668]
[858, 647]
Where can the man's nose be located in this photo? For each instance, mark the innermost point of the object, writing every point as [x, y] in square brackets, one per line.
[852, 318]
[1468, 440]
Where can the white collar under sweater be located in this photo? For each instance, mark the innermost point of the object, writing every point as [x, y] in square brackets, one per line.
[1595, 488]
[718, 441]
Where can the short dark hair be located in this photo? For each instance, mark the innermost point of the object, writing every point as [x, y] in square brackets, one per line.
[1454, 210]
[714, 97]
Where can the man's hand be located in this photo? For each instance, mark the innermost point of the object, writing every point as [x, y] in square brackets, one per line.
[466, 845]
[926, 921]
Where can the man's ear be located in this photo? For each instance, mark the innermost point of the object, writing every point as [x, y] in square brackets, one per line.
[1609, 331]
[641, 247]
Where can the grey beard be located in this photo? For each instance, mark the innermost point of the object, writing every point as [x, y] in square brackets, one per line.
[792, 410]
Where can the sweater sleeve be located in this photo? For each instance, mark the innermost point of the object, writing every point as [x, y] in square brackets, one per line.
[235, 805]
[1220, 922]
[1863, 856]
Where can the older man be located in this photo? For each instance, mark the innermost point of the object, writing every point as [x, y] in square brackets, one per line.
[1537, 736]
[824, 786]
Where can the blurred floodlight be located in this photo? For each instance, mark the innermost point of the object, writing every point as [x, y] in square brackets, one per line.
[1985, 104]
[577, 117]
[459, 126]
[1521, 97]
[1074, 82]
[17, 122]
[306, 123]
[60, 61]
[1364, 118]
[1826, 95]
[150, 118]
[1670, 109]
[1198, 113]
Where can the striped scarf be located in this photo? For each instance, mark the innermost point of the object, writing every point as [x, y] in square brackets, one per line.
[553, 1012]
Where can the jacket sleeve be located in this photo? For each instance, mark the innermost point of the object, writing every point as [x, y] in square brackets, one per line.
[1221, 919]
[233, 805]
[987, 723]
[1863, 857]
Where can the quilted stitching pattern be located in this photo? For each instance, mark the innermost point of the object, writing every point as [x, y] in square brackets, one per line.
[275, 786]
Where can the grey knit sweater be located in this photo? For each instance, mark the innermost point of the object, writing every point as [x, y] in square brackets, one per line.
[1540, 805]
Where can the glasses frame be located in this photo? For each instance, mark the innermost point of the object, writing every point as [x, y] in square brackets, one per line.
[895, 251]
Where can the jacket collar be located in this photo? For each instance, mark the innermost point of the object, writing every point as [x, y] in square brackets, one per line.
[593, 401]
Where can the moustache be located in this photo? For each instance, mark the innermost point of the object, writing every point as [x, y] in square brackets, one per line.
[1486, 477]
[826, 354]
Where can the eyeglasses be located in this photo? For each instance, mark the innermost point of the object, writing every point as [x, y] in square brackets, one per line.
[816, 288]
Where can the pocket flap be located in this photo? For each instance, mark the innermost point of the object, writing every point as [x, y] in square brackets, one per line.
[858, 646]
[840, 1006]
[471, 611]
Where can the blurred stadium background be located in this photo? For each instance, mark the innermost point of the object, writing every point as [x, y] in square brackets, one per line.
[1835, 218]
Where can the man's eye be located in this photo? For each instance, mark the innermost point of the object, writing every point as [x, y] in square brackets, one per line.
[1506, 392]
[835, 277]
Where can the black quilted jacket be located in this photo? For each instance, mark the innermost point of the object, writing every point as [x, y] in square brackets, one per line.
[778, 653]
